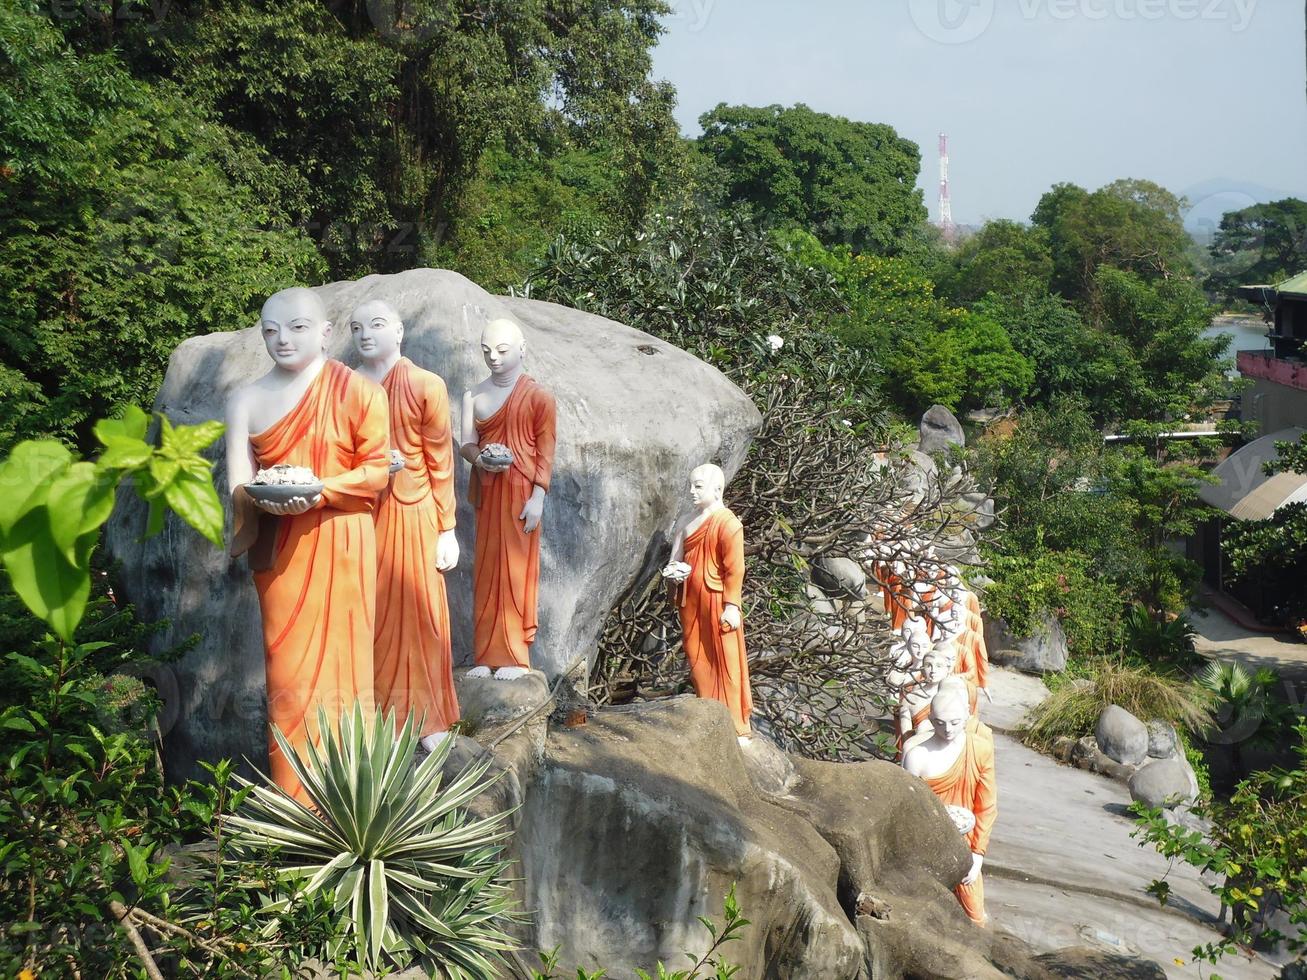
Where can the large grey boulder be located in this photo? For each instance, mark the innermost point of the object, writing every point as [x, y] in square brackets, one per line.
[840, 577]
[1121, 736]
[1163, 743]
[1164, 783]
[635, 414]
[938, 430]
[1043, 652]
[641, 819]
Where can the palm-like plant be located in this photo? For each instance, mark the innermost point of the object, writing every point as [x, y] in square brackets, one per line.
[415, 877]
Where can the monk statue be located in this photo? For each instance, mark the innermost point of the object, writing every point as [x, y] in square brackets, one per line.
[957, 606]
[508, 437]
[313, 556]
[711, 543]
[416, 543]
[917, 689]
[957, 763]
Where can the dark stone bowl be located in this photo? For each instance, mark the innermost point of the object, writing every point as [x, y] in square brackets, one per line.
[282, 493]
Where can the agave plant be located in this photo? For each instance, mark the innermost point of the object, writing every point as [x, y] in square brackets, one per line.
[414, 876]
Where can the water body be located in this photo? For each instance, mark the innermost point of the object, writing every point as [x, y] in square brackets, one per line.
[1247, 332]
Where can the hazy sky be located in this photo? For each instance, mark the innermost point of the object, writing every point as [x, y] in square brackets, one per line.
[1203, 96]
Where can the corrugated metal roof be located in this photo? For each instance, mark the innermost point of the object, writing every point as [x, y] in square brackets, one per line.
[1243, 490]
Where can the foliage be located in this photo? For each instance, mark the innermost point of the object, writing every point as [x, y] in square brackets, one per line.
[412, 875]
[1254, 855]
[1247, 708]
[88, 820]
[1166, 641]
[130, 223]
[54, 506]
[712, 958]
[928, 352]
[1260, 244]
[1063, 584]
[1005, 258]
[816, 480]
[380, 112]
[847, 182]
[1131, 225]
[1073, 709]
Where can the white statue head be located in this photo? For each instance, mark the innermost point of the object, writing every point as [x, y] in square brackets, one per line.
[950, 709]
[938, 663]
[295, 328]
[503, 347]
[707, 484]
[376, 330]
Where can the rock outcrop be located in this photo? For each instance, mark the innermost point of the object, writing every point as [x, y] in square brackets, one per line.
[1043, 652]
[634, 416]
[1122, 736]
[939, 429]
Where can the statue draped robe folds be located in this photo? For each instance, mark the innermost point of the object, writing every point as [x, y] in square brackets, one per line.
[318, 591]
[970, 783]
[506, 573]
[719, 667]
[413, 663]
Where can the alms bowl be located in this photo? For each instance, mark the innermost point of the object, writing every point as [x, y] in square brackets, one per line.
[281, 493]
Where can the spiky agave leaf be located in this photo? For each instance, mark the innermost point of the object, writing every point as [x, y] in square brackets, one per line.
[411, 873]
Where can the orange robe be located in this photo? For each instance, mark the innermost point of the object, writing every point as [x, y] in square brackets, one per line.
[412, 662]
[719, 664]
[979, 652]
[506, 574]
[970, 783]
[318, 596]
[918, 716]
[898, 600]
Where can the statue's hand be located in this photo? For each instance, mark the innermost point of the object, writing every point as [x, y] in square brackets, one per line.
[976, 861]
[531, 513]
[446, 550]
[731, 617]
[289, 508]
[481, 464]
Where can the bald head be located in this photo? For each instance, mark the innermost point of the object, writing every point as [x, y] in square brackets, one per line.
[374, 309]
[951, 700]
[707, 483]
[297, 301]
[502, 331]
[376, 331]
[503, 347]
[295, 328]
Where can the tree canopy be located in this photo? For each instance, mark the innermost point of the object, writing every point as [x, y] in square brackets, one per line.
[847, 182]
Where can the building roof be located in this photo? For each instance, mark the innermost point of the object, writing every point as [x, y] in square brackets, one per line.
[1297, 286]
[1244, 491]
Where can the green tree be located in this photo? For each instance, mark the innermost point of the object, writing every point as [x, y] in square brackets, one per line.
[124, 232]
[381, 111]
[848, 182]
[1265, 243]
[1134, 225]
[1005, 258]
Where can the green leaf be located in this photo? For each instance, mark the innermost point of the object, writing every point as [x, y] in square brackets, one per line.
[18, 724]
[79, 502]
[124, 454]
[132, 426]
[196, 502]
[48, 584]
[193, 438]
[26, 477]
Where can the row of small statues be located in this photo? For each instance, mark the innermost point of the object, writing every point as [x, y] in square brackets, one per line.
[941, 666]
[342, 484]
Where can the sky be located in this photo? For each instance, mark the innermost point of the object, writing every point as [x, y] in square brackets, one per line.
[1205, 97]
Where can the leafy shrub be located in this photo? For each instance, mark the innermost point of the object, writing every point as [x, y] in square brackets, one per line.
[1160, 639]
[411, 874]
[1254, 857]
[1029, 587]
[1073, 709]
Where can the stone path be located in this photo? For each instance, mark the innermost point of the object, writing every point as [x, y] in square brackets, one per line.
[1063, 870]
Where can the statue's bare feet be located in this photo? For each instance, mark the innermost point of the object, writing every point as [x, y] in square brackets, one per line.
[510, 673]
[430, 742]
[479, 672]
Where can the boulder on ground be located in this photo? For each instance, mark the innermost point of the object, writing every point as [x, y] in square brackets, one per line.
[842, 578]
[938, 430]
[1083, 963]
[635, 415]
[492, 708]
[1163, 743]
[1043, 652]
[1164, 783]
[1121, 736]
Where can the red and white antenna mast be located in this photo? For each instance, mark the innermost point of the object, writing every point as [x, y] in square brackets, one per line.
[945, 205]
